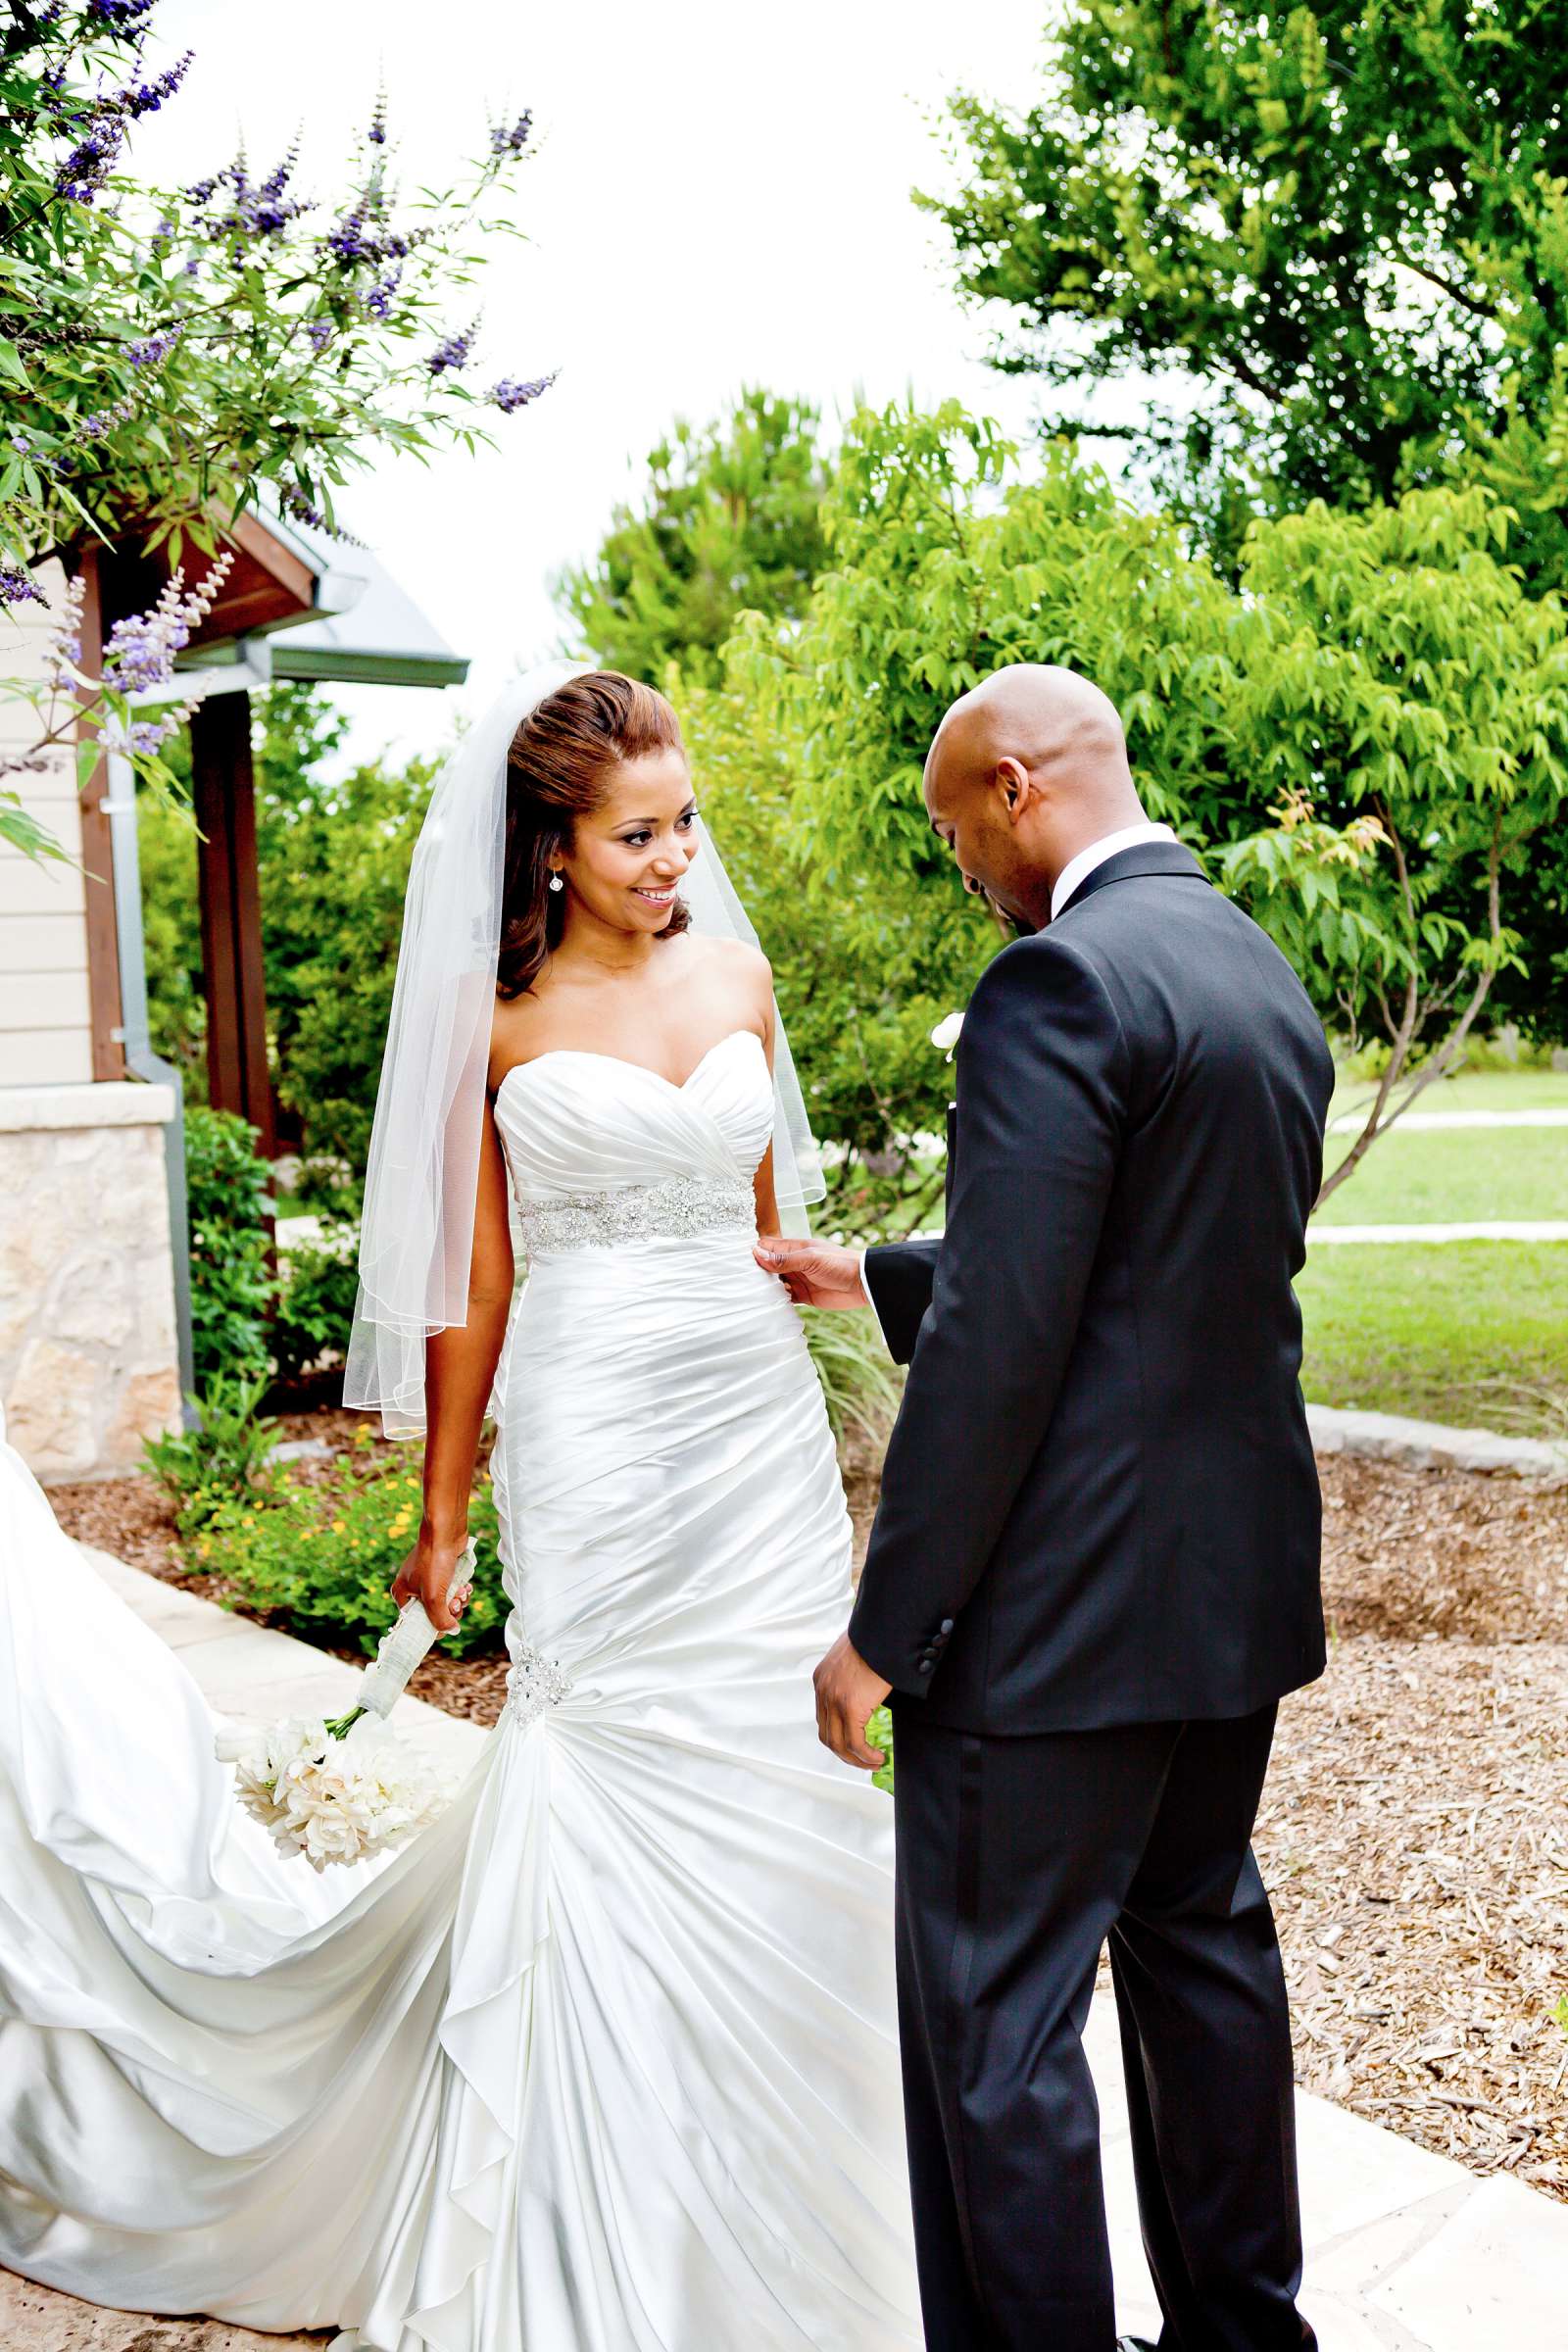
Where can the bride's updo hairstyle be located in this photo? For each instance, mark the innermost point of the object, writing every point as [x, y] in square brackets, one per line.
[557, 768]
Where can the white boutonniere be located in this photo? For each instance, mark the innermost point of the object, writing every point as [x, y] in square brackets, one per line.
[944, 1036]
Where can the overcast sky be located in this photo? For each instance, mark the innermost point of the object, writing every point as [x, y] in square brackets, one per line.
[721, 195]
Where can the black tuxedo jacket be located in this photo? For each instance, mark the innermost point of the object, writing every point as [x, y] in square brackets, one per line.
[1099, 1503]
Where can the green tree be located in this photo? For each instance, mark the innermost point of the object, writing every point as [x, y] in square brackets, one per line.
[1400, 695]
[866, 960]
[1366, 740]
[333, 864]
[730, 522]
[1337, 235]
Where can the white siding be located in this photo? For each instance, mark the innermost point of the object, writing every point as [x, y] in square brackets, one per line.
[45, 1032]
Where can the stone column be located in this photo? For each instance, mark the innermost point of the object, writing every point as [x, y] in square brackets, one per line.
[88, 1355]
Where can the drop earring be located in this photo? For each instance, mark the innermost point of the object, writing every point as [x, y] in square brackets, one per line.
[555, 883]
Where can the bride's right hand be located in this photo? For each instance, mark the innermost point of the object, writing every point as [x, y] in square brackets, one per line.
[426, 1576]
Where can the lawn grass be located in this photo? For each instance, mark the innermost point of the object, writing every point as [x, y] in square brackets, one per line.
[1416, 1177]
[1464, 1332]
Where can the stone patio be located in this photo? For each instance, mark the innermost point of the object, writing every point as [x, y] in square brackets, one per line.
[1406, 2251]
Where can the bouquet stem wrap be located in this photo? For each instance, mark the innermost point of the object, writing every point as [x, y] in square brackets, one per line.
[403, 1643]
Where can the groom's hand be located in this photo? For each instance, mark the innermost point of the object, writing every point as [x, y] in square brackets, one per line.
[848, 1692]
[814, 1273]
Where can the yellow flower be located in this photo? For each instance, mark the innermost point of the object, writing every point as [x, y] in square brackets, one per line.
[338, 1527]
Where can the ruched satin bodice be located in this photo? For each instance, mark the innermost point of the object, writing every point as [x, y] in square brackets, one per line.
[603, 1150]
[605, 2060]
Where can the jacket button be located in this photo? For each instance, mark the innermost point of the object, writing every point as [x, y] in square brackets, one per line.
[947, 1625]
[926, 1665]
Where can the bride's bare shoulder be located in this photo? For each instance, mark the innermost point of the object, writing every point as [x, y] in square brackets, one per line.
[732, 960]
[518, 1030]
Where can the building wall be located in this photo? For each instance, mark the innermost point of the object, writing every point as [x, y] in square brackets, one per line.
[88, 1352]
[45, 1030]
[88, 1355]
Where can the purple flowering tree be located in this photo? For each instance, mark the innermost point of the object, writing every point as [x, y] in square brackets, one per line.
[163, 353]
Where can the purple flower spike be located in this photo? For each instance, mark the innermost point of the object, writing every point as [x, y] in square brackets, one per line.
[511, 143]
[151, 350]
[508, 394]
[120, 15]
[454, 352]
[141, 648]
[18, 587]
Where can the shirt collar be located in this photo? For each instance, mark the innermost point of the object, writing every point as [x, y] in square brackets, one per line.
[1078, 869]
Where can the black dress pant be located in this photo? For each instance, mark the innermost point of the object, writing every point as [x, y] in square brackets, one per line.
[1016, 1858]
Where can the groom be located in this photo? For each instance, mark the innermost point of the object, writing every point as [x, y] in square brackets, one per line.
[1094, 1568]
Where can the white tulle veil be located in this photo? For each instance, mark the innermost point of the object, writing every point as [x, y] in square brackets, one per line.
[416, 1235]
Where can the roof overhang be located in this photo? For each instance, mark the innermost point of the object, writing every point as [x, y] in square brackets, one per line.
[296, 604]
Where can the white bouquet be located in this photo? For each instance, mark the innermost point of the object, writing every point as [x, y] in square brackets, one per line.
[339, 1788]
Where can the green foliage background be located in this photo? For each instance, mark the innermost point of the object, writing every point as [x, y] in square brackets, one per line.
[1337, 238]
[333, 864]
[730, 522]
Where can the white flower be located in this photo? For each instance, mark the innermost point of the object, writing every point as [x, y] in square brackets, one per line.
[944, 1036]
[332, 1800]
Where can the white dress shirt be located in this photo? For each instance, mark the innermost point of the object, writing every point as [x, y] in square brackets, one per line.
[1077, 869]
[1110, 845]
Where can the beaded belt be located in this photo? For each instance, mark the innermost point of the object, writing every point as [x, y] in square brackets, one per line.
[641, 1212]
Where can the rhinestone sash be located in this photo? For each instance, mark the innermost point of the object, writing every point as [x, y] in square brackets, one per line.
[534, 1684]
[638, 1212]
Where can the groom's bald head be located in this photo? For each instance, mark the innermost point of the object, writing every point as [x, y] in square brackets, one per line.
[1025, 771]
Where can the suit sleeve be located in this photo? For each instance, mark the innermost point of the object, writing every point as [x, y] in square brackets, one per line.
[1043, 1079]
[898, 1280]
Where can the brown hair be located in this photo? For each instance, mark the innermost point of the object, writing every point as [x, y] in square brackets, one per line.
[557, 766]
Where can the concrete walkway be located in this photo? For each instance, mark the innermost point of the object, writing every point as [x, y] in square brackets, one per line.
[1406, 2251]
[1431, 1445]
[1490, 1229]
[1448, 1122]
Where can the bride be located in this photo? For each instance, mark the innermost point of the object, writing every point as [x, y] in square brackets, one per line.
[604, 2060]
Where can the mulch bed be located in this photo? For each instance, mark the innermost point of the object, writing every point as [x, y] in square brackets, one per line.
[1416, 1827]
[1414, 1838]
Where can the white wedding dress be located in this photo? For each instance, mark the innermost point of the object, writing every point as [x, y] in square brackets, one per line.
[605, 2060]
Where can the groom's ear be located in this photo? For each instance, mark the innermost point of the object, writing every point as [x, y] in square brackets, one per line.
[1013, 782]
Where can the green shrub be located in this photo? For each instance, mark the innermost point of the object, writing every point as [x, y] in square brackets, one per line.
[321, 1556]
[229, 1194]
[321, 1283]
[860, 1385]
[227, 1454]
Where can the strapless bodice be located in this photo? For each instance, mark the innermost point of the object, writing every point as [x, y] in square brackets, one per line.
[604, 1151]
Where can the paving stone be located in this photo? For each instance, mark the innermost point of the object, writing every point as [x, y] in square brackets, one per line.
[1344, 2326]
[1353, 2264]
[1355, 2172]
[35, 2318]
[1496, 2274]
